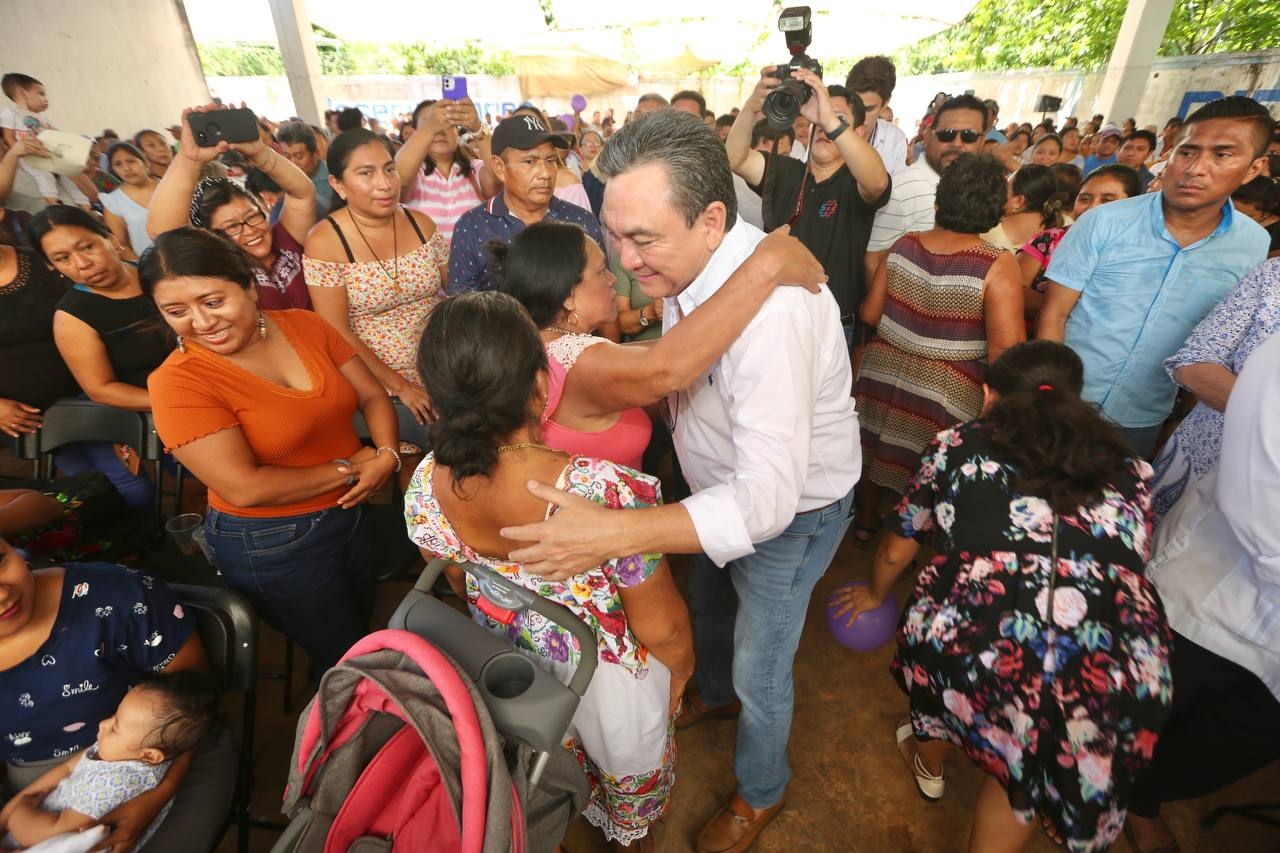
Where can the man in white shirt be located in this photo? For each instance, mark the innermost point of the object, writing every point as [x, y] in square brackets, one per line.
[958, 128]
[1217, 568]
[872, 80]
[767, 439]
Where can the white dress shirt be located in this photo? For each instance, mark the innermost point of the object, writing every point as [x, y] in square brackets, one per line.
[770, 430]
[891, 144]
[1217, 562]
[910, 206]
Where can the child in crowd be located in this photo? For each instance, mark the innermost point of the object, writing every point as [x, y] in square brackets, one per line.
[156, 721]
[23, 119]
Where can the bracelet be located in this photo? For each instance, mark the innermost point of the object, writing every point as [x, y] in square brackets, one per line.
[352, 479]
[392, 451]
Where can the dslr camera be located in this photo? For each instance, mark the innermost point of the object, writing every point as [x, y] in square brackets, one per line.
[782, 105]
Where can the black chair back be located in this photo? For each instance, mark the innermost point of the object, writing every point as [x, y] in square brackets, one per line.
[74, 420]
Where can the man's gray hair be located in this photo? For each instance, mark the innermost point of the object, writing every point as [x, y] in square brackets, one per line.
[697, 167]
[297, 132]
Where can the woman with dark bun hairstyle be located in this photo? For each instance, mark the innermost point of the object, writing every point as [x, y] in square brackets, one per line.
[1035, 508]
[488, 392]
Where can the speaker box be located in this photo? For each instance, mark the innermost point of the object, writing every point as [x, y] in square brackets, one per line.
[1048, 104]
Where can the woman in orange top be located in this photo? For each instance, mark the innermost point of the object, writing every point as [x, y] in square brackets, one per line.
[258, 405]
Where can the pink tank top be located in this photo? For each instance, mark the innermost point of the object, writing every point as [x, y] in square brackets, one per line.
[623, 443]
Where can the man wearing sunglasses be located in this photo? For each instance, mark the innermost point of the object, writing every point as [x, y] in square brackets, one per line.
[831, 201]
[959, 127]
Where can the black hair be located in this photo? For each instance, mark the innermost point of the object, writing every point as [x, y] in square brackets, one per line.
[725, 120]
[257, 181]
[480, 384]
[349, 140]
[212, 193]
[65, 215]
[1124, 174]
[540, 267]
[350, 119]
[190, 711]
[1262, 192]
[234, 160]
[1062, 448]
[1021, 134]
[690, 95]
[137, 137]
[1039, 186]
[762, 132]
[1050, 137]
[1146, 135]
[1069, 180]
[971, 194]
[962, 102]
[128, 148]
[194, 252]
[835, 90]
[459, 155]
[297, 133]
[1238, 108]
[873, 74]
[12, 82]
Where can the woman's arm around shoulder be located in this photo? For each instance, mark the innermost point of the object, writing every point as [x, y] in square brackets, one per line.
[1002, 306]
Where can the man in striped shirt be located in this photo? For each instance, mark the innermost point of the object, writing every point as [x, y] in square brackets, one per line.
[959, 127]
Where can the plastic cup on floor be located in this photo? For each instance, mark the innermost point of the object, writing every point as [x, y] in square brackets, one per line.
[183, 529]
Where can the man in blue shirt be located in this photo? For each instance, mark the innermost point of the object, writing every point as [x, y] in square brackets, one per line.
[298, 143]
[524, 159]
[1106, 143]
[1131, 279]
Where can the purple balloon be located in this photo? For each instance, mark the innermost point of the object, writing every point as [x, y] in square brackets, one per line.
[872, 629]
[567, 118]
[578, 102]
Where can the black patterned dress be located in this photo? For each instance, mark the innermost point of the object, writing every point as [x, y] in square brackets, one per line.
[1065, 717]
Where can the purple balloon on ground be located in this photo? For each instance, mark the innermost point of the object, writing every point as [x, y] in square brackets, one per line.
[871, 630]
[578, 102]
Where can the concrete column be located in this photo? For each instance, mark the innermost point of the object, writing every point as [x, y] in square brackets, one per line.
[1135, 52]
[301, 63]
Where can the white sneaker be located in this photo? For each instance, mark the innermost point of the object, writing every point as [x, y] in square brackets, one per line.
[931, 787]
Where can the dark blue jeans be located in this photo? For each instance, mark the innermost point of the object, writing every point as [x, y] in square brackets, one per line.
[309, 576]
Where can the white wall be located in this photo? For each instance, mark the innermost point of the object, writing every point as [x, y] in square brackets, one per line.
[123, 64]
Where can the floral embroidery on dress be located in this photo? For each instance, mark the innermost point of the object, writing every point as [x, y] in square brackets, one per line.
[978, 650]
[566, 348]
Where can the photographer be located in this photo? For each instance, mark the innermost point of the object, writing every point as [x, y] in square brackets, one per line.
[831, 201]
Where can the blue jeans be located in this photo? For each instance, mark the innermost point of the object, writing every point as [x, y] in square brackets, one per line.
[309, 576]
[81, 457]
[1143, 439]
[747, 620]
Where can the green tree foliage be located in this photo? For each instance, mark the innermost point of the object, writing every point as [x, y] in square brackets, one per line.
[1003, 34]
[338, 58]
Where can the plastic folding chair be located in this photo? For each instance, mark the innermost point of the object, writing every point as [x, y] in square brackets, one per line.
[74, 420]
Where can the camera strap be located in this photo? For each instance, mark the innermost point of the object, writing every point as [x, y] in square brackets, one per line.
[769, 180]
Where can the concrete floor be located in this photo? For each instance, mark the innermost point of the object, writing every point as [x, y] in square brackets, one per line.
[850, 790]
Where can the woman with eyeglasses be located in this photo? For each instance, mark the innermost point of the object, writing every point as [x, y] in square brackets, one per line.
[224, 206]
[945, 303]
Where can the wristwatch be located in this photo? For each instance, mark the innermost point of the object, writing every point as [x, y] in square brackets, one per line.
[644, 321]
[832, 134]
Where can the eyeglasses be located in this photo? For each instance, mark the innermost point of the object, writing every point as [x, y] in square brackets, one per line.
[968, 137]
[253, 220]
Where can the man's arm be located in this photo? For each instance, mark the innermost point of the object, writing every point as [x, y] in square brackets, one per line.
[1058, 302]
[746, 162]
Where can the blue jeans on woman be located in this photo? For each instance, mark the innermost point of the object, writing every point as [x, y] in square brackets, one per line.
[79, 458]
[747, 620]
[309, 576]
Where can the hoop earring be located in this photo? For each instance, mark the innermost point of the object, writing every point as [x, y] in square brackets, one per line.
[182, 347]
[262, 326]
[573, 318]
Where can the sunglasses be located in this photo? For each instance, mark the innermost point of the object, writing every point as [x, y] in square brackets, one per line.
[968, 137]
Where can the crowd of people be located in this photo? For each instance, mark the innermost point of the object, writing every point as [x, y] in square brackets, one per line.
[1041, 353]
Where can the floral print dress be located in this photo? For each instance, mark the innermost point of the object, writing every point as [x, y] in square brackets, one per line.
[1066, 715]
[621, 732]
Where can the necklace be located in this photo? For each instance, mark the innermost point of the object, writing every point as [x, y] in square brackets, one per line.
[563, 331]
[395, 250]
[507, 448]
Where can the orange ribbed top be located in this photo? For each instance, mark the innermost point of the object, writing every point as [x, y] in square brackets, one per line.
[198, 393]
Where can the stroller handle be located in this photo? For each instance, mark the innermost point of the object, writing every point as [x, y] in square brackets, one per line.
[510, 595]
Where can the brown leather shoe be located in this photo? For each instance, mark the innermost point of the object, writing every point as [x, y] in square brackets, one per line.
[692, 710]
[736, 826]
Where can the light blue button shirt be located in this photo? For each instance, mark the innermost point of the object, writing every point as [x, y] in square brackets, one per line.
[1141, 294]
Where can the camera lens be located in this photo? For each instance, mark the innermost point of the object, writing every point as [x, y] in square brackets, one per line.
[782, 105]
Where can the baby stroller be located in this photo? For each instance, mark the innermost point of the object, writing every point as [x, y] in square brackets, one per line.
[436, 736]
